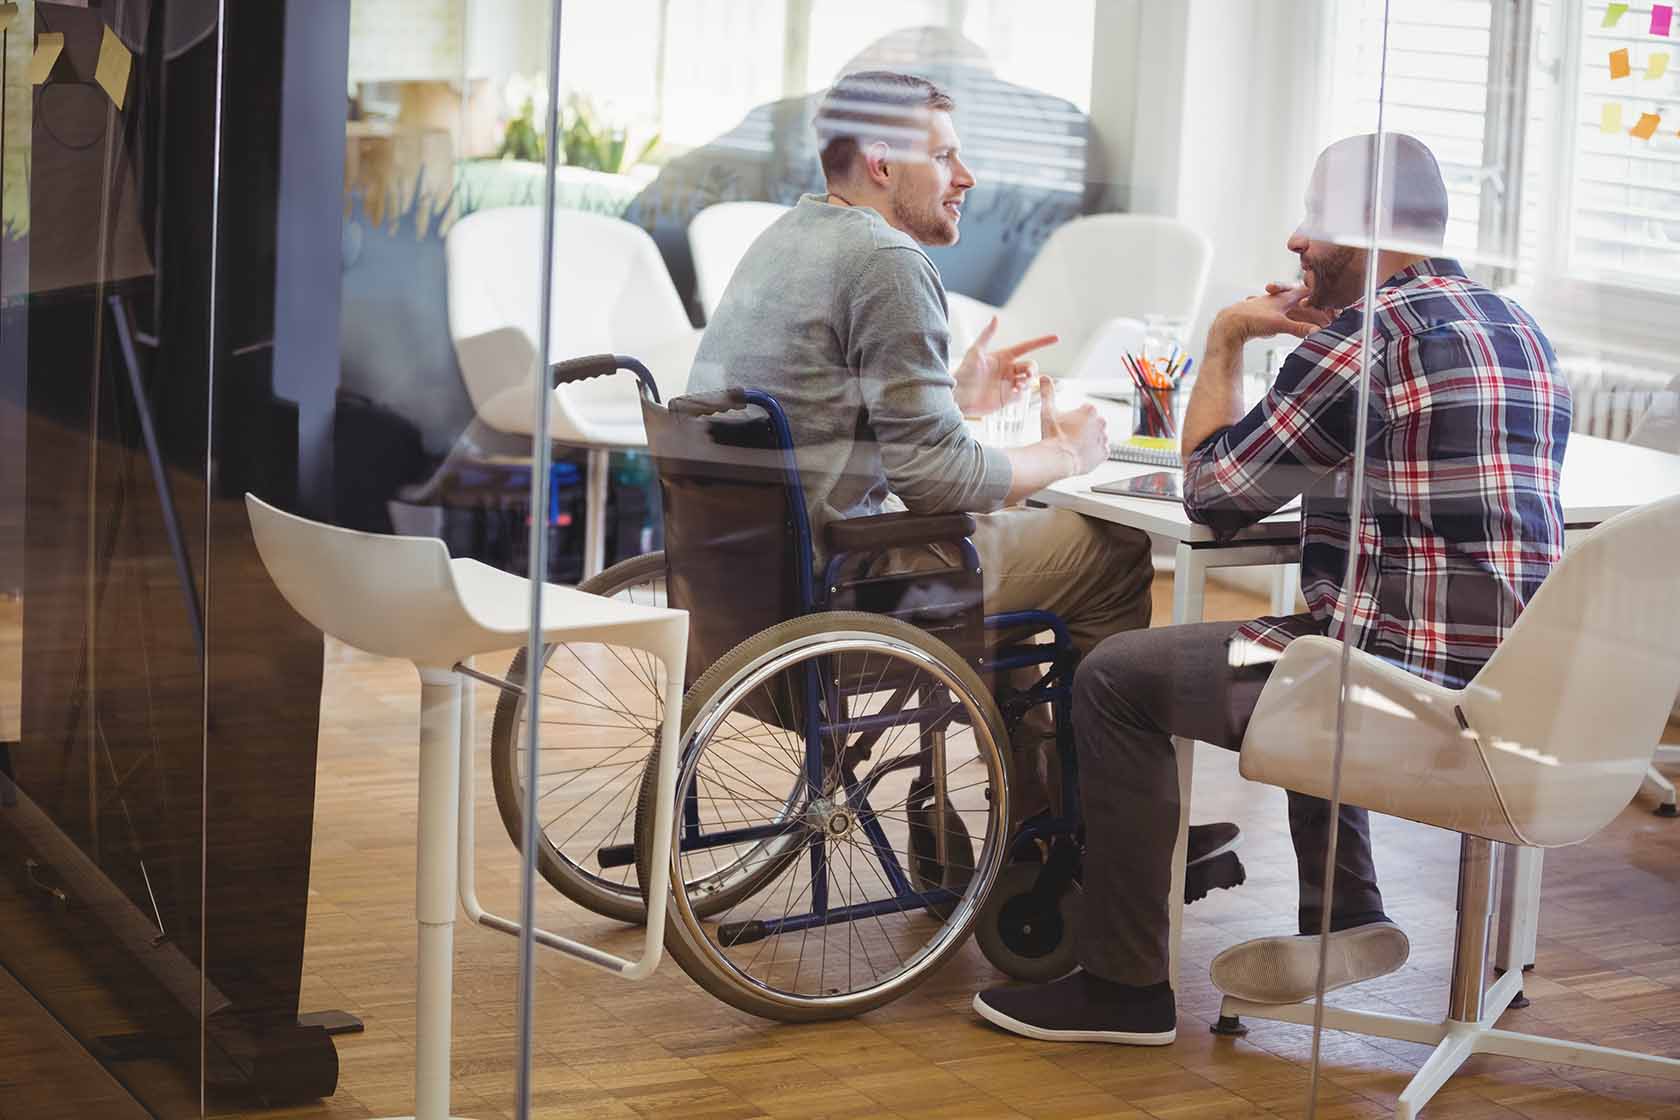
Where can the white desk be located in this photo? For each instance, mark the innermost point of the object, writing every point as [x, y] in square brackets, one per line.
[1601, 478]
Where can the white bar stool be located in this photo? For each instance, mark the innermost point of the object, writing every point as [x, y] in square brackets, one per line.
[404, 597]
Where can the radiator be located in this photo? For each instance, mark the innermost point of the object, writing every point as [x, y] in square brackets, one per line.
[1611, 397]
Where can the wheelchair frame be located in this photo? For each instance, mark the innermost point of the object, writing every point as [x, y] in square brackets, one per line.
[1054, 687]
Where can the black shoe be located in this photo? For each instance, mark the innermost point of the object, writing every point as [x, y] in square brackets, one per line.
[1210, 860]
[1209, 840]
[1083, 1008]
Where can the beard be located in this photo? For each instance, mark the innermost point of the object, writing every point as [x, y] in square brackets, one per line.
[1334, 275]
[926, 221]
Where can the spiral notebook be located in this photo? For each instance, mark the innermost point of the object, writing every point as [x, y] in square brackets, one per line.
[1152, 451]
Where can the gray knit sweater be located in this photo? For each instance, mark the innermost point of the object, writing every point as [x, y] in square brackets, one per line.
[842, 318]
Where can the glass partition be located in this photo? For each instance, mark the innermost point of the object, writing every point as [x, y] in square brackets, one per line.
[1519, 493]
[305, 790]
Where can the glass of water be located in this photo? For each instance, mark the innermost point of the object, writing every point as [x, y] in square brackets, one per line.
[1007, 427]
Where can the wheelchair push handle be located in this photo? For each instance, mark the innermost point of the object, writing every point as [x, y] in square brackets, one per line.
[603, 365]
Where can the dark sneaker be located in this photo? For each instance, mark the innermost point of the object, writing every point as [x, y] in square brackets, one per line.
[1285, 969]
[1209, 840]
[1210, 860]
[1081, 1008]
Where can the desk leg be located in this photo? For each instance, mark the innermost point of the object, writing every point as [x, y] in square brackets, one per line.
[1286, 584]
[1189, 583]
[1519, 908]
[599, 474]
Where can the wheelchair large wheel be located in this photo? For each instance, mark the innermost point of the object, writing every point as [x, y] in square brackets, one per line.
[601, 711]
[861, 902]
[601, 708]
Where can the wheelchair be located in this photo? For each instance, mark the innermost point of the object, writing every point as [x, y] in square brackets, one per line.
[845, 787]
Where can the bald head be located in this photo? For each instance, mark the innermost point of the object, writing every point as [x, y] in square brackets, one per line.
[1413, 208]
[1408, 223]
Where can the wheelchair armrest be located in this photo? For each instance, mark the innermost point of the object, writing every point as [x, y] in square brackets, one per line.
[896, 530]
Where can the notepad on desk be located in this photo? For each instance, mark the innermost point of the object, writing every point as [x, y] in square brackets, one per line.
[1150, 450]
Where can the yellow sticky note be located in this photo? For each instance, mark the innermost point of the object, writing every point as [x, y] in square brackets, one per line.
[1613, 15]
[1647, 126]
[8, 12]
[48, 46]
[1610, 120]
[1619, 67]
[115, 61]
[1657, 66]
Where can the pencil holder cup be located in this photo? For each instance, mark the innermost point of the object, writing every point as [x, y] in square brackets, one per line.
[1155, 412]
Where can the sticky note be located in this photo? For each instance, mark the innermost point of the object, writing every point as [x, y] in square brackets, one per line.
[1661, 16]
[1610, 120]
[115, 61]
[1657, 66]
[1647, 126]
[48, 46]
[8, 12]
[1613, 15]
[1619, 67]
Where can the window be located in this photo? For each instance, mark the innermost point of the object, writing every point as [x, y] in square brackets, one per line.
[1624, 211]
[1572, 204]
[693, 69]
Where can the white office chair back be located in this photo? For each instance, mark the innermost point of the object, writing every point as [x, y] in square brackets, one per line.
[1106, 266]
[719, 237]
[1569, 709]
[611, 294]
[393, 596]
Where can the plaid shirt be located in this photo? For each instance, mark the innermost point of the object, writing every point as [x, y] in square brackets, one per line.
[1461, 518]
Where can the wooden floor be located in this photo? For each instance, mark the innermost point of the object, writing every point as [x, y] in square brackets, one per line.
[1609, 973]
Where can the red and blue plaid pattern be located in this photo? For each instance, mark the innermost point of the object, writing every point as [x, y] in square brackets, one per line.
[1462, 517]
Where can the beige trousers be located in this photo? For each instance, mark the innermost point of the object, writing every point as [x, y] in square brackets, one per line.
[1093, 574]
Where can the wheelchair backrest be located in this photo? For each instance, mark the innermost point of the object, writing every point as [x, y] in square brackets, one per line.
[737, 541]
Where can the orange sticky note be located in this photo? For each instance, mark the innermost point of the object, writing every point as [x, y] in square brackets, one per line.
[1613, 15]
[48, 46]
[1647, 126]
[1657, 65]
[1610, 119]
[1619, 67]
[8, 12]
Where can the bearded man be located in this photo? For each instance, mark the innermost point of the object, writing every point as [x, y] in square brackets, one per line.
[1466, 424]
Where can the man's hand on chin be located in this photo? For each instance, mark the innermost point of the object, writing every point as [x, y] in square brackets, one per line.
[1281, 309]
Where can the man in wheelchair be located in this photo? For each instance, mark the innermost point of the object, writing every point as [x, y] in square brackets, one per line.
[838, 312]
[1461, 520]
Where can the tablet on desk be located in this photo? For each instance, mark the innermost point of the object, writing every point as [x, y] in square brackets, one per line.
[1165, 485]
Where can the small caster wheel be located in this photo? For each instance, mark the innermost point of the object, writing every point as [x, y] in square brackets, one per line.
[1229, 1026]
[1519, 1001]
[1668, 810]
[1024, 935]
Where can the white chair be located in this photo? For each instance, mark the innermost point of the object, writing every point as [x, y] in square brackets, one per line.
[719, 237]
[1544, 748]
[1094, 282]
[611, 295]
[1659, 429]
[404, 597]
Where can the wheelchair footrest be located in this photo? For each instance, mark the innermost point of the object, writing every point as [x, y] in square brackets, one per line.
[1219, 873]
[616, 855]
